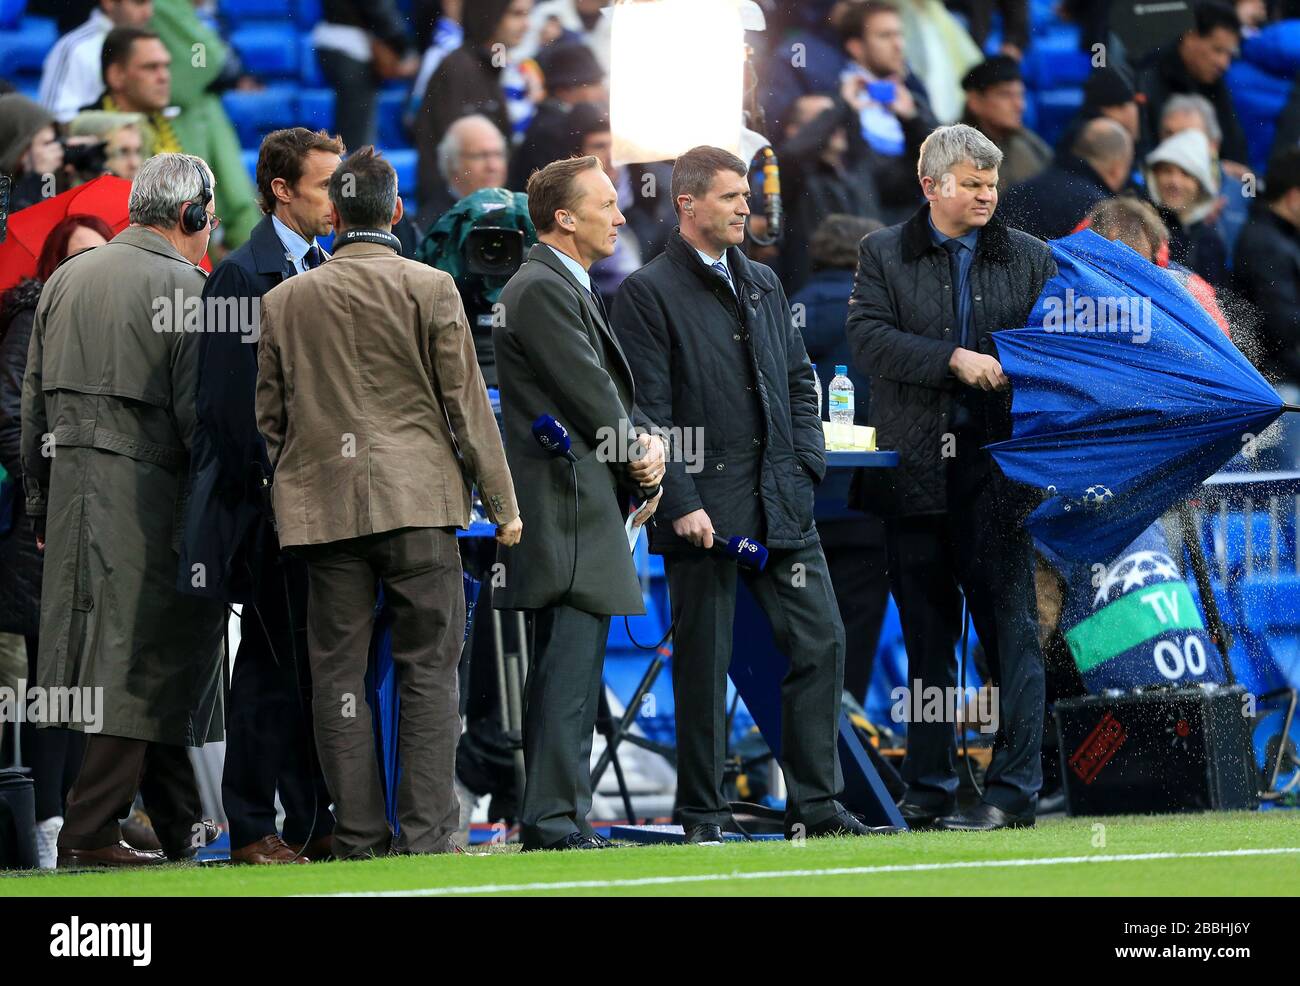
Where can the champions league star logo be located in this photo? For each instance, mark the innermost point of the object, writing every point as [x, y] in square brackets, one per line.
[1133, 572]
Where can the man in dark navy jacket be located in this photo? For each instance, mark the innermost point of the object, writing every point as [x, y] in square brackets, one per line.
[710, 337]
[230, 549]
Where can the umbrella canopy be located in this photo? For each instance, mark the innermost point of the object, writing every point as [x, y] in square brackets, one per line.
[1125, 396]
[105, 197]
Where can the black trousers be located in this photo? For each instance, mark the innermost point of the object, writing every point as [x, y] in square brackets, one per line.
[113, 771]
[978, 549]
[564, 685]
[795, 592]
[857, 558]
[269, 744]
[53, 754]
[421, 574]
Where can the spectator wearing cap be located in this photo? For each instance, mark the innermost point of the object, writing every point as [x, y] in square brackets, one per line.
[995, 105]
[1183, 186]
[29, 148]
[1055, 202]
[1107, 92]
[573, 76]
[1196, 63]
[1268, 256]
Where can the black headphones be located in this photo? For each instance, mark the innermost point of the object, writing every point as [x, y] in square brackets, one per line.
[195, 217]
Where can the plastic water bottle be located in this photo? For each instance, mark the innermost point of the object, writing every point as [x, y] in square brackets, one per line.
[841, 394]
[817, 382]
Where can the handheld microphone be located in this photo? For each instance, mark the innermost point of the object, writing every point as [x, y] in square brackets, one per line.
[554, 437]
[744, 552]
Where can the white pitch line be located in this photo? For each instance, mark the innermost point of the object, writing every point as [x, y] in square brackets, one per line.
[651, 881]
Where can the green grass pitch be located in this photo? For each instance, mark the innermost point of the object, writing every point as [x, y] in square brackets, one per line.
[1249, 854]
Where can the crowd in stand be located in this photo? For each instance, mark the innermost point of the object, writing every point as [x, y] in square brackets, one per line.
[1157, 157]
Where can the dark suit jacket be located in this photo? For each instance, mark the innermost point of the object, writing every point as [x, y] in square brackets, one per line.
[557, 355]
[228, 526]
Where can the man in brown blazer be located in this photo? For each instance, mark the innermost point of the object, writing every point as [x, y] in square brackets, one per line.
[376, 421]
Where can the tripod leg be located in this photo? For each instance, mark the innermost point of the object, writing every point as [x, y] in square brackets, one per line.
[605, 726]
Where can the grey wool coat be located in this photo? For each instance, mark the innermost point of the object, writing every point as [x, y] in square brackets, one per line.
[107, 420]
[557, 355]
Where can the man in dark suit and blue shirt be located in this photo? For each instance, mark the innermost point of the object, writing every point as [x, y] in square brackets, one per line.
[557, 355]
[230, 548]
[715, 348]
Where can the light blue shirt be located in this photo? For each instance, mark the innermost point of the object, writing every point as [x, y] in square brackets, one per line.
[709, 262]
[574, 268]
[295, 247]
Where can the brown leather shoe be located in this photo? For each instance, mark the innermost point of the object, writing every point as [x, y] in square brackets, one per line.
[320, 849]
[266, 851]
[117, 855]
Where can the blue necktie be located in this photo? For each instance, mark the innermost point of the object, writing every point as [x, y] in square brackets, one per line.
[312, 258]
[954, 248]
[721, 268]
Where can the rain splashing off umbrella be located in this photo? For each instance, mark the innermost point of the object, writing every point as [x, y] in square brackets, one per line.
[1125, 396]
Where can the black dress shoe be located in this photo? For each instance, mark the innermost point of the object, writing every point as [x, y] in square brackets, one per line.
[704, 835]
[601, 841]
[574, 840]
[843, 822]
[986, 818]
[923, 816]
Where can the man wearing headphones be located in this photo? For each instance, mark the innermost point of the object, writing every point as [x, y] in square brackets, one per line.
[113, 346]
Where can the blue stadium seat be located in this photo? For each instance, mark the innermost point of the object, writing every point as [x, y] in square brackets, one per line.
[308, 68]
[11, 12]
[256, 113]
[309, 12]
[391, 132]
[23, 48]
[249, 160]
[269, 50]
[238, 11]
[316, 108]
[404, 163]
[1053, 110]
[1053, 69]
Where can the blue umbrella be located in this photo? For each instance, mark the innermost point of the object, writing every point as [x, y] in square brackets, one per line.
[1125, 396]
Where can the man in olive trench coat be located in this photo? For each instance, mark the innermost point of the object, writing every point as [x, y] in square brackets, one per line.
[108, 415]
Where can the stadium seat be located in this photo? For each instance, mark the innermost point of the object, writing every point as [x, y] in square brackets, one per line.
[403, 161]
[249, 160]
[316, 108]
[268, 50]
[238, 11]
[255, 113]
[391, 132]
[1054, 69]
[1053, 111]
[308, 68]
[309, 12]
[24, 47]
[11, 12]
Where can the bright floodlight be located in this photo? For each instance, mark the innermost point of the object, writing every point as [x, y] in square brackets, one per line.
[676, 77]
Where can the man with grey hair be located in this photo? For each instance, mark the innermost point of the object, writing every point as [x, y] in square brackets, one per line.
[110, 348]
[927, 296]
[472, 155]
[377, 423]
